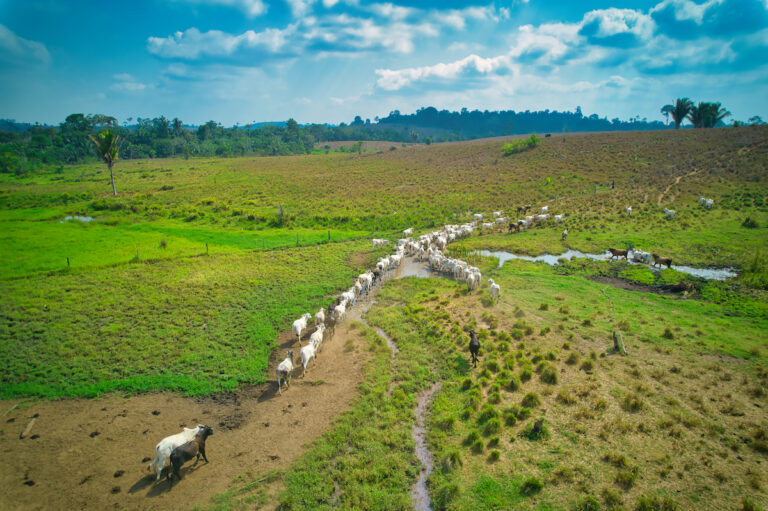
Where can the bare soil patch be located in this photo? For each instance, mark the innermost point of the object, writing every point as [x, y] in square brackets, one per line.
[93, 454]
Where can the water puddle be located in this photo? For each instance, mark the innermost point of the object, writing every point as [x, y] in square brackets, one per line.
[552, 260]
[419, 492]
[77, 218]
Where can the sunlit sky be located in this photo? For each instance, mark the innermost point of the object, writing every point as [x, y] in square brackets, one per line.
[239, 61]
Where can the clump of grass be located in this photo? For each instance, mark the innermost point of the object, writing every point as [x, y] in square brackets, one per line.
[588, 503]
[446, 424]
[544, 307]
[492, 427]
[545, 330]
[466, 414]
[510, 417]
[466, 384]
[494, 442]
[448, 492]
[494, 456]
[587, 366]
[477, 446]
[573, 358]
[549, 374]
[487, 413]
[748, 504]
[565, 397]
[668, 334]
[612, 498]
[655, 504]
[616, 459]
[632, 403]
[451, 461]
[531, 486]
[513, 383]
[531, 400]
[626, 478]
[472, 437]
[586, 322]
[525, 373]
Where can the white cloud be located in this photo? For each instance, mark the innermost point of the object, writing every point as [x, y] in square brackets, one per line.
[17, 50]
[192, 44]
[607, 23]
[389, 79]
[300, 8]
[251, 8]
[125, 82]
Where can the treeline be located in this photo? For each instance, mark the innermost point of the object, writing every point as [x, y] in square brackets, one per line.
[468, 124]
[23, 148]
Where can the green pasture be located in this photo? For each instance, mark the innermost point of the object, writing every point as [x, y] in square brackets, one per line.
[193, 324]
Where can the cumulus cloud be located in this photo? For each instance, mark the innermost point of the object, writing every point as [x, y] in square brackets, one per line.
[251, 8]
[17, 50]
[617, 27]
[192, 44]
[684, 19]
[125, 82]
[389, 79]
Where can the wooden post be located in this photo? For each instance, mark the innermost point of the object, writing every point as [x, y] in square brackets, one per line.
[329, 235]
[67, 262]
[297, 239]
[206, 249]
[263, 244]
[137, 255]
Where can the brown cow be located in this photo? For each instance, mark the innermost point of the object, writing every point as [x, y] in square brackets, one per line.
[618, 253]
[657, 259]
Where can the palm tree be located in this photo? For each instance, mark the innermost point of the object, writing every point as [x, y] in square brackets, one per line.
[666, 110]
[680, 110]
[106, 144]
[707, 115]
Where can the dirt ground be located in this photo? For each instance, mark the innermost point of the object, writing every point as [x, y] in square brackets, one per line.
[93, 454]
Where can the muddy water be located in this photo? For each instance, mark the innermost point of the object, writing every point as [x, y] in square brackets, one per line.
[552, 260]
[419, 492]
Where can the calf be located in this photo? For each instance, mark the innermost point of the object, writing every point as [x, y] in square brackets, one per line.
[657, 259]
[474, 347]
[615, 252]
[189, 450]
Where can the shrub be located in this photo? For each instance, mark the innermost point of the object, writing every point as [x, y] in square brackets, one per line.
[531, 400]
[549, 374]
[531, 486]
[520, 145]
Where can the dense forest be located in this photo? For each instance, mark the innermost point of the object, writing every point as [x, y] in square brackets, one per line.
[26, 147]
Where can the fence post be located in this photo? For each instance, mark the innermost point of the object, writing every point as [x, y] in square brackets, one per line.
[329, 235]
[137, 255]
[67, 262]
[206, 249]
[297, 239]
[263, 245]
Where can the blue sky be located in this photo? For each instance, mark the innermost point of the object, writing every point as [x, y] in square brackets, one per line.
[236, 61]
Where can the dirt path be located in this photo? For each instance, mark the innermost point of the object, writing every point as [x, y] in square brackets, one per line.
[89, 454]
[419, 492]
[669, 187]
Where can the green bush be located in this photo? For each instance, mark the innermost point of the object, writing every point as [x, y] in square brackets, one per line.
[531, 486]
[549, 374]
[531, 400]
[520, 145]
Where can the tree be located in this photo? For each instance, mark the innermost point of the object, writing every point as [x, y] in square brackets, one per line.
[756, 120]
[680, 110]
[414, 136]
[707, 115]
[666, 110]
[107, 146]
[177, 126]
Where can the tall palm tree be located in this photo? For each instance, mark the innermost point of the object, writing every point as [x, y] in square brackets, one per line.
[666, 110]
[680, 110]
[107, 146]
[707, 115]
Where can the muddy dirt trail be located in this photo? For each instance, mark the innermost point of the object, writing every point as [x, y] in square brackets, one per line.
[675, 182]
[89, 454]
[92, 454]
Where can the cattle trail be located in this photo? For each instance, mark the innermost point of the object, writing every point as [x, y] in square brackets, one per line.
[677, 180]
